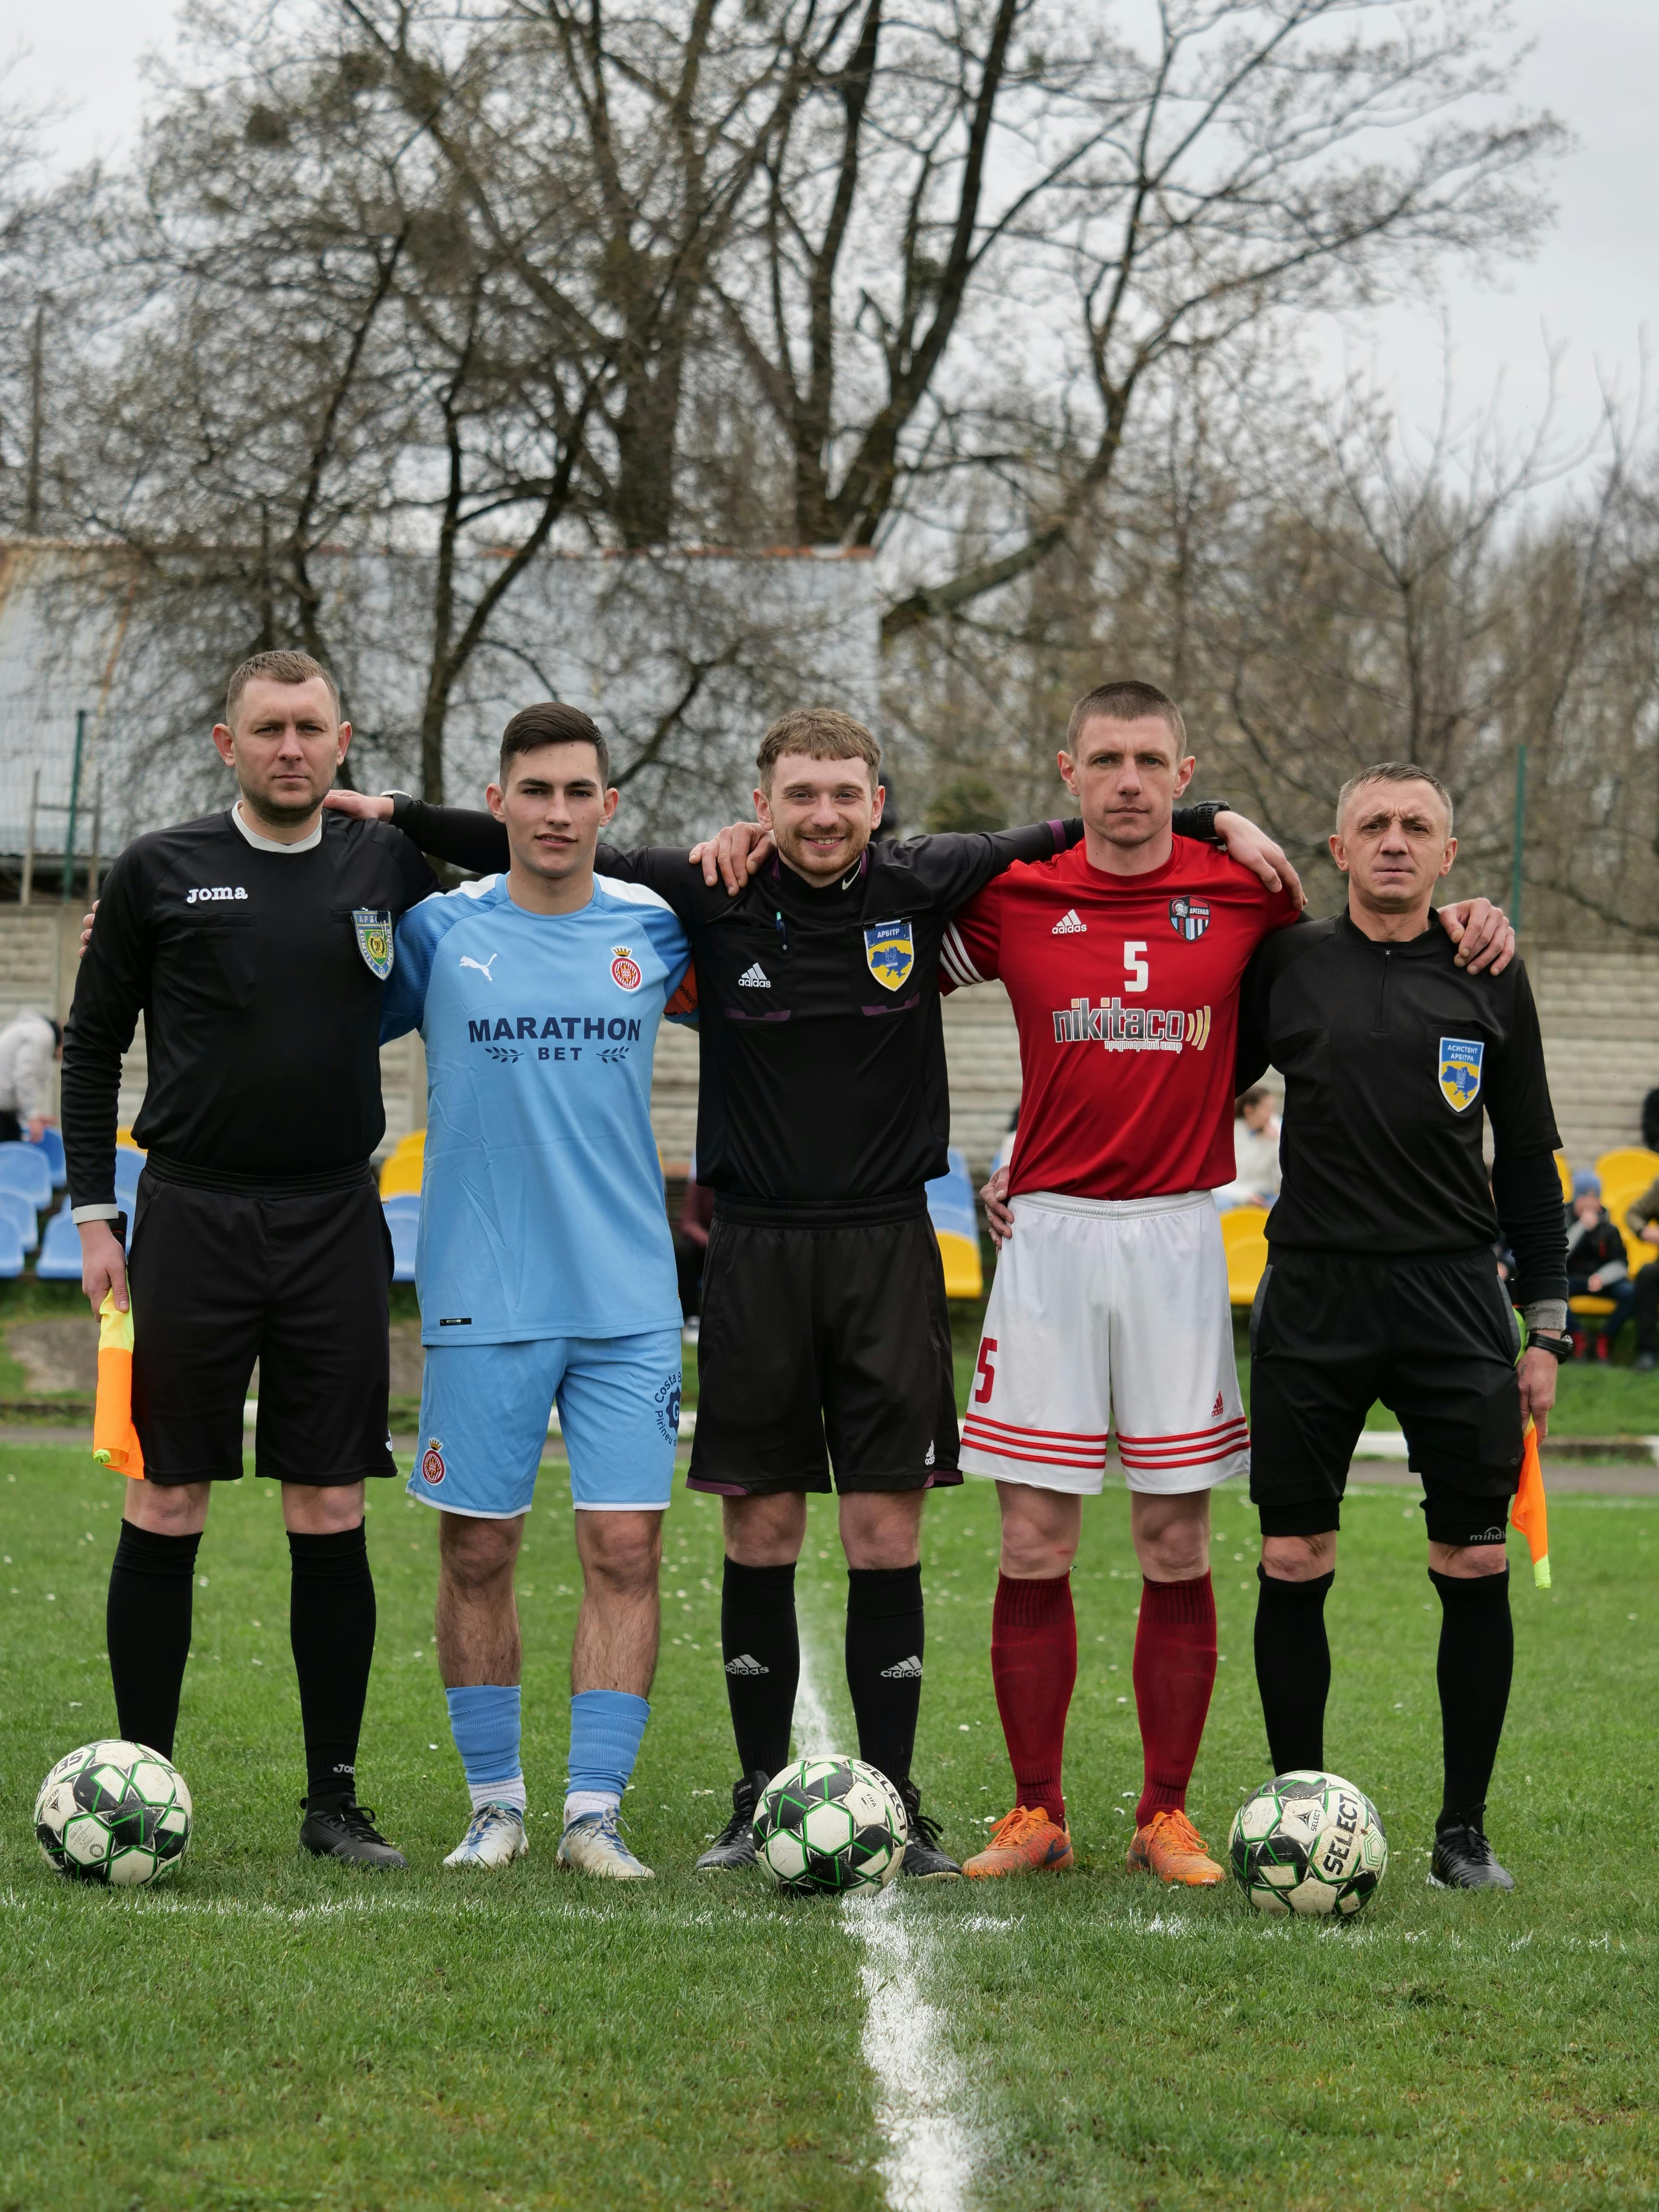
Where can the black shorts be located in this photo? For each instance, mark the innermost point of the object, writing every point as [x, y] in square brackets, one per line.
[835, 1334]
[222, 1278]
[1435, 1340]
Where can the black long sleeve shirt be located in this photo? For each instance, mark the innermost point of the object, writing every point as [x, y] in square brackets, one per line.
[1391, 1053]
[823, 1072]
[262, 1010]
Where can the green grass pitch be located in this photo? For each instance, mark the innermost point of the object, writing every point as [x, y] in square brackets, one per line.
[268, 2032]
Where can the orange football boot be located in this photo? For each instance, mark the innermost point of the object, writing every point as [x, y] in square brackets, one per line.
[1172, 1848]
[1025, 1842]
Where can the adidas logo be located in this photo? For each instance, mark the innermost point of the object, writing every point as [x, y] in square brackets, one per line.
[744, 1665]
[907, 1671]
[1069, 925]
[928, 1462]
[756, 979]
[1219, 1408]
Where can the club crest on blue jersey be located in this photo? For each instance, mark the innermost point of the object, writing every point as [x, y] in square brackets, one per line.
[1189, 918]
[891, 953]
[1459, 1071]
[374, 940]
[625, 970]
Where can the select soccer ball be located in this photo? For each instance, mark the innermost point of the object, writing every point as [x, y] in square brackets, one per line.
[1308, 1843]
[113, 1812]
[827, 1825]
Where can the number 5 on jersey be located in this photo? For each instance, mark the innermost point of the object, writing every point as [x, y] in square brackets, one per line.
[1136, 974]
[985, 1371]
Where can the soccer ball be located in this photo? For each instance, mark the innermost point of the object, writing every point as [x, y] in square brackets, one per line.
[113, 1812]
[1308, 1843]
[827, 1825]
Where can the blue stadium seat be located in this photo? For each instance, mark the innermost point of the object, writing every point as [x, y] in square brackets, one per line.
[16, 1213]
[23, 1168]
[956, 1224]
[129, 1166]
[405, 1229]
[11, 1254]
[52, 1144]
[402, 1204]
[60, 1251]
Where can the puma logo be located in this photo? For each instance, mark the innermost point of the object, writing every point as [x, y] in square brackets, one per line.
[483, 966]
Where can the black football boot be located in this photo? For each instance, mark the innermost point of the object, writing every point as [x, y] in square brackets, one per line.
[1463, 1859]
[734, 1846]
[924, 1860]
[340, 1828]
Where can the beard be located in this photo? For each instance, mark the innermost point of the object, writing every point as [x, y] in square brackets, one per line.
[280, 813]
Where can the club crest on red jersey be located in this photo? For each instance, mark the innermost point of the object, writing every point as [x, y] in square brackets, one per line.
[1189, 918]
[890, 951]
[625, 970]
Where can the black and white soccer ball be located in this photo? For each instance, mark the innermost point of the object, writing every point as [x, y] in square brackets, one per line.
[114, 1812]
[829, 1825]
[1308, 1843]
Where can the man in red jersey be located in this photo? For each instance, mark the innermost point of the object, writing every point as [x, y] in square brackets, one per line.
[1123, 958]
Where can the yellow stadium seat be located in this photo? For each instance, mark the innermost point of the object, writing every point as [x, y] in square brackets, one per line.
[1590, 1308]
[964, 1277]
[1245, 1243]
[1563, 1168]
[124, 1137]
[404, 1165]
[1626, 1166]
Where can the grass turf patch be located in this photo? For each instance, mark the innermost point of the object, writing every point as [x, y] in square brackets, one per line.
[269, 2033]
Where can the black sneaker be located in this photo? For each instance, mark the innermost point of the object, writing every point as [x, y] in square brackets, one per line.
[340, 1828]
[734, 1846]
[924, 1861]
[1463, 1860]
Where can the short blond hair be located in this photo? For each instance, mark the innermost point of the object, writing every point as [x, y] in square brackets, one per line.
[277, 668]
[822, 734]
[1126, 701]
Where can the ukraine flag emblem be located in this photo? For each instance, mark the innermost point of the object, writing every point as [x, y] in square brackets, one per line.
[1459, 1071]
[891, 953]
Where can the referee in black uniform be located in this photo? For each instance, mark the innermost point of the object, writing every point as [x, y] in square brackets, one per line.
[1382, 1283]
[254, 942]
[822, 1110]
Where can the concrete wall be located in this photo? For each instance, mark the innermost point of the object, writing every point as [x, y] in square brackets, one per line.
[1600, 1013]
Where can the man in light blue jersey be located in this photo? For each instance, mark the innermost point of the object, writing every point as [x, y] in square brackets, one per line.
[546, 1274]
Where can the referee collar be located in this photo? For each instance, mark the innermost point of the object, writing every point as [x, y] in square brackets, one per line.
[274, 844]
[1403, 948]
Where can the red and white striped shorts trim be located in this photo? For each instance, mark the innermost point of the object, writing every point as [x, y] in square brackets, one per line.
[1037, 1447]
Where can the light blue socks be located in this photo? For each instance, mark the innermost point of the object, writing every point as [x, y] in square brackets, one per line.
[607, 1727]
[484, 1719]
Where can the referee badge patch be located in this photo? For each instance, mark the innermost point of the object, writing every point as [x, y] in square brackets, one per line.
[374, 940]
[891, 953]
[1459, 1071]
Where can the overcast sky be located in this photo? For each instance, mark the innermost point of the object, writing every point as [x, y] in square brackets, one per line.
[1593, 288]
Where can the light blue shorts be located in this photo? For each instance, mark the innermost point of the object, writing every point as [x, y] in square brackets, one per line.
[484, 1409]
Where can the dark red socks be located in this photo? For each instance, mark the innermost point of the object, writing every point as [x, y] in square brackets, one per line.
[1174, 1676]
[1034, 1667]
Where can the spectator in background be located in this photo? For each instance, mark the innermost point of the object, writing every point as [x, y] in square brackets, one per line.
[1642, 1219]
[29, 1046]
[1596, 1267]
[1256, 1151]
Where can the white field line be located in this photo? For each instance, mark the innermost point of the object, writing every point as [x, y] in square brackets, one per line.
[923, 2092]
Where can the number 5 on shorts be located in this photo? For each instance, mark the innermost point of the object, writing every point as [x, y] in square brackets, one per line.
[986, 1373]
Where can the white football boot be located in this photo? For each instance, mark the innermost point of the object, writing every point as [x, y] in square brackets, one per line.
[495, 1837]
[591, 1845]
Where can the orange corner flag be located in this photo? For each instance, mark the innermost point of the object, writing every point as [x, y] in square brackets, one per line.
[1531, 1514]
[115, 1439]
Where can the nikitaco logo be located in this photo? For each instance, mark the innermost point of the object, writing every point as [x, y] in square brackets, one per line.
[1132, 1028]
[218, 891]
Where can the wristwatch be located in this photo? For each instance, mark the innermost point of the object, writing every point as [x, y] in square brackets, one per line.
[1558, 1347]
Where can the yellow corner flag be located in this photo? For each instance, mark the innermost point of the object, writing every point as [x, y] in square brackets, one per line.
[1531, 1514]
[115, 1439]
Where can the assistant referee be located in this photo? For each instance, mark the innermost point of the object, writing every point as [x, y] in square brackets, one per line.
[255, 943]
[1382, 1282]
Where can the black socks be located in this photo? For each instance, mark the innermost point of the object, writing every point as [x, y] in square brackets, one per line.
[332, 1627]
[1293, 1667]
[883, 1663]
[147, 1627]
[1477, 1659]
[761, 1647]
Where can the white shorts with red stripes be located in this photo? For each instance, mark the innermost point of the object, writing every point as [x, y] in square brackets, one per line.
[1109, 1314]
